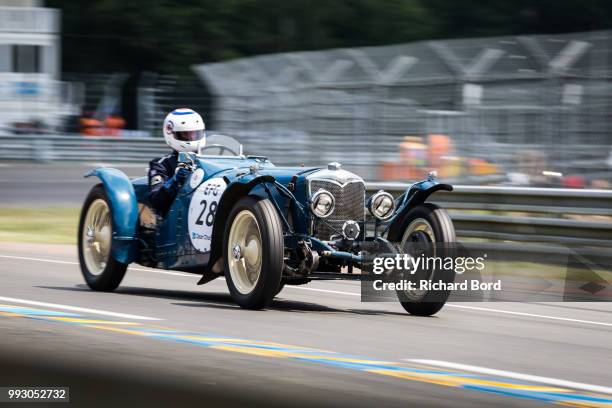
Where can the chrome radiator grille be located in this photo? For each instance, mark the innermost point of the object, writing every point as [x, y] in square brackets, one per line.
[350, 205]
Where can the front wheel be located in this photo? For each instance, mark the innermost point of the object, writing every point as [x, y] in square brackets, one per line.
[430, 225]
[253, 251]
[100, 270]
[279, 289]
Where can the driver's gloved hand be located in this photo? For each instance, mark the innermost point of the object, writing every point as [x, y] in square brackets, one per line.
[181, 175]
[176, 182]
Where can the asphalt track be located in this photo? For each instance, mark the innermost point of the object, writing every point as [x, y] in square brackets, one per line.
[161, 340]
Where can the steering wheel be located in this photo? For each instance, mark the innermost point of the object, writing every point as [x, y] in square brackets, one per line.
[221, 148]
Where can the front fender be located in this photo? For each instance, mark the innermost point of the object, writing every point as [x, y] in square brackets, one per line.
[416, 194]
[237, 186]
[124, 209]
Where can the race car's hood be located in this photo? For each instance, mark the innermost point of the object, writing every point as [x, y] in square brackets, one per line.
[232, 167]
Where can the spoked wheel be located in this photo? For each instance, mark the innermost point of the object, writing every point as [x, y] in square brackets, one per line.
[425, 226]
[99, 268]
[253, 252]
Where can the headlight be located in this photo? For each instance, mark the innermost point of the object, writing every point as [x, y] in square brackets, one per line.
[322, 203]
[381, 205]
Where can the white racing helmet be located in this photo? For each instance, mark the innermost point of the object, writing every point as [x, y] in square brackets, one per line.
[183, 130]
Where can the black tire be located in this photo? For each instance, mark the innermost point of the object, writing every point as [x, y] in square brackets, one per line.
[272, 253]
[110, 278]
[280, 288]
[444, 231]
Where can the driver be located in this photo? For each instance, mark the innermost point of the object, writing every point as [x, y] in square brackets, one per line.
[183, 129]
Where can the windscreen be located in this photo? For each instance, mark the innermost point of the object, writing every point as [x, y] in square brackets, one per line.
[220, 145]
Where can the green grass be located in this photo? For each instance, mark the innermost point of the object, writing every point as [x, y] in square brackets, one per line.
[39, 225]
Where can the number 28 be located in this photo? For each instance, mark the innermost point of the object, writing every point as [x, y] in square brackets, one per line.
[210, 218]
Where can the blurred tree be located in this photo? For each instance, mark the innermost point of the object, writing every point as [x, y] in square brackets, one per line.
[170, 35]
[505, 17]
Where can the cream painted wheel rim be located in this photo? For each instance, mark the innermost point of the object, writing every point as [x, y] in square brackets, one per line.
[245, 252]
[419, 225]
[423, 227]
[97, 237]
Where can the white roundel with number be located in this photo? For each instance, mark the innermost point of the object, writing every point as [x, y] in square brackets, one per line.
[202, 211]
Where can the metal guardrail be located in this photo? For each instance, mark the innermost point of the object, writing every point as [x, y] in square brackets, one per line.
[543, 222]
[80, 148]
[360, 154]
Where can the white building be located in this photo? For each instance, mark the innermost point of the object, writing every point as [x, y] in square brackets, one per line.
[30, 89]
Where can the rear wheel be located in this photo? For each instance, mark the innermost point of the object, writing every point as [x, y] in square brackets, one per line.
[100, 270]
[425, 224]
[253, 252]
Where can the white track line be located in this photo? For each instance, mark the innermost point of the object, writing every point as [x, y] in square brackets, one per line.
[567, 319]
[25, 258]
[517, 376]
[322, 290]
[76, 308]
[484, 309]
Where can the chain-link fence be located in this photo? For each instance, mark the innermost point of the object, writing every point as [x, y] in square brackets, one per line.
[518, 107]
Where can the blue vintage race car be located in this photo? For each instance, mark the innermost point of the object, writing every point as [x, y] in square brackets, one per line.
[260, 226]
